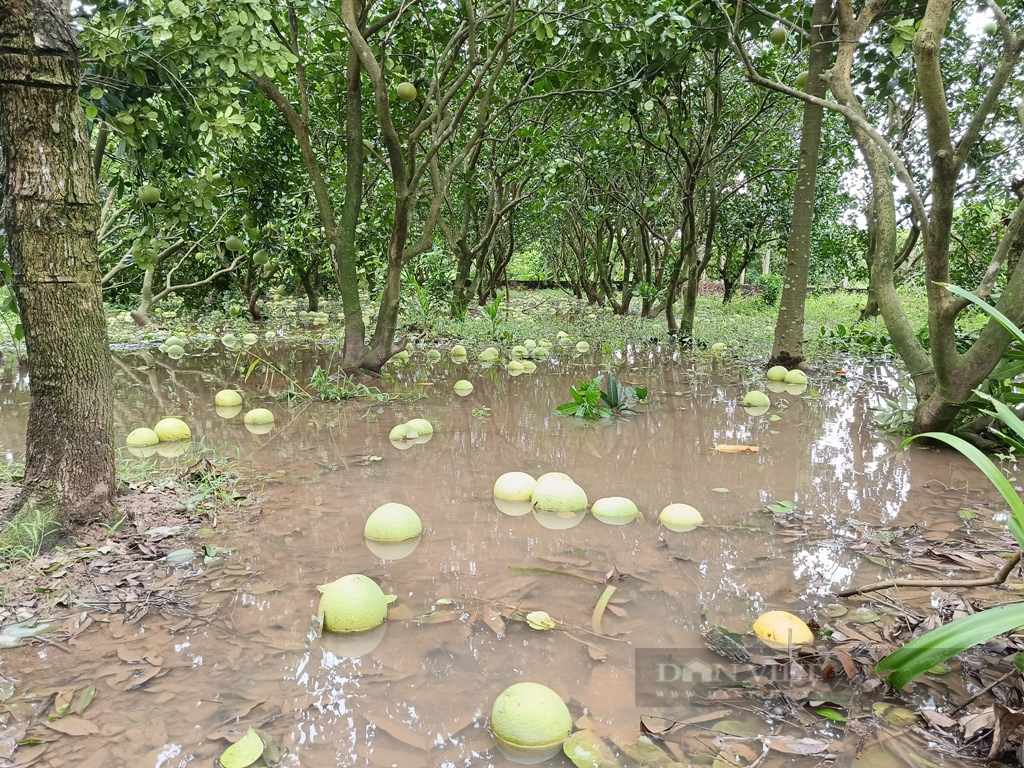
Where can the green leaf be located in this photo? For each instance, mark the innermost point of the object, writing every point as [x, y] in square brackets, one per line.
[720, 490]
[992, 472]
[987, 308]
[923, 653]
[586, 750]
[244, 752]
[831, 714]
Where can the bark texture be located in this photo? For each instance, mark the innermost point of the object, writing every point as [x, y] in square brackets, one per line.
[51, 214]
[789, 327]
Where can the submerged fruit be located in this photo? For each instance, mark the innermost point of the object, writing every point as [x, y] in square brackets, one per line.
[680, 517]
[259, 417]
[558, 495]
[171, 429]
[143, 437]
[489, 355]
[796, 376]
[777, 373]
[227, 398]
[530, 715]
[782, 630]
[353, 603]
[515, 486]
[421, 427]
[463, 387]
[458, 351]
[614, 510]
[392, 522]
[756, 399]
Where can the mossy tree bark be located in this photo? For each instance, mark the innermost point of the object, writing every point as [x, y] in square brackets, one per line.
[788, 347]
[51, 214]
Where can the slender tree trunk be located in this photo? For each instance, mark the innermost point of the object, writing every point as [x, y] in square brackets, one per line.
[50, 212]
[788, 348]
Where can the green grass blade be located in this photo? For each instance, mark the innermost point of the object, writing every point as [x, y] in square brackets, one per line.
[992, 472]
[1006, 415]
[923, 653]
[987, 308]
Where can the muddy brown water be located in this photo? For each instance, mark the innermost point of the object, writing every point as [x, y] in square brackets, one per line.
[174, 691]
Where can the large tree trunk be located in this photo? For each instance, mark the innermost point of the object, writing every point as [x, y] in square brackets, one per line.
[788, 348]
[50, 213]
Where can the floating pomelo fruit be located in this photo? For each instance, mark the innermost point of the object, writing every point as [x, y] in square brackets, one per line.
[514, 367]
[392, 522]
[149, 194]
[489, 355]
[259, 416]
[782, 630]
[529, 366]
[463, 387]
[558, 495]
[401, 432]
[143, 437]
[458, 351]
[515, 486]
[519, 351]
[582, 346]
[249, 339]
[174, 341]
[776, 386]
[796, 376]
[756, 399]
[540, 353]
[614, 510]
[407, 91]
[796, 389]
[777, 373]
[680, 517]
[421, 427]
[530, 719]
[228, 412]
[171, 429]
[229, 340]
[565, 341]
[561, 335]
[530, 345]
[433, 356]
[175, 351]
[353, 603]
[227, 398]
[718, 346]
[544, 343]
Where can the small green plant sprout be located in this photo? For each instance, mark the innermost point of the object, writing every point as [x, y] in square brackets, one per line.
[590, 402]
[493, 311]
[482, 412]
[934, 647]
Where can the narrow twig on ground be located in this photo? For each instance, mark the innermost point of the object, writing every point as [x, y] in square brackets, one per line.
[999, 578]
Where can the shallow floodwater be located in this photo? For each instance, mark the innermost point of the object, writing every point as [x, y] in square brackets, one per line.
[174, 691]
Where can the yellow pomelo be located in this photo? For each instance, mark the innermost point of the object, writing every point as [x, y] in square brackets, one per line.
[407, 92]
[149, 194]
[614, 510]
[782, 630]
[559, 496]
[530, 715]
[142, 437]
[680, 517]
[227, 398]
[796, 376]
[353, 603]
[171, 429]
[514, 486]
[392, 522]
[458, 351]
[259, 416]
[756, 399]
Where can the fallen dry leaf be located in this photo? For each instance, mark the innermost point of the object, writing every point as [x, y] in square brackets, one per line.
[737, 448]
[72, 725]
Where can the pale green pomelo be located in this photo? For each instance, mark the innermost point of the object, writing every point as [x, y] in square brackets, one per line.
[175, 352]
[142, 438]
[796, 376]
[270, 336]
[261, 258]
[776, 386]
[582, 346]
[530, 715]
[234, 310]
[171, 429]
[229, 340]
[399, 432]
[249, 339]
[565, 341]
[515, 486]
[554, 476]
[540, 352]
[529, 366]
[489, 355]
[174, 341]
[421, 439]
[172, 449]
[756, 399]
[530, 344]
[259, 416]
[149, 194]
[406, 91]
[801, 79]
[227, 398]
[458, 351]
[614, 510]
[718, 346]
[463, 387]
[403, 355]
[234, 243]
[421, 427]
[544, 343]
[680, 517]
[778, 36]
[229, 412]
[433, 356]
[353, 603]
[392, 522]
[757, 410]
[777, 373]
[561, 335]
[796, 389]
[557, 495]
[519, 350]
[515, 367]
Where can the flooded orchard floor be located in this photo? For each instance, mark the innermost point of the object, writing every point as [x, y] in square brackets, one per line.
[175, 691]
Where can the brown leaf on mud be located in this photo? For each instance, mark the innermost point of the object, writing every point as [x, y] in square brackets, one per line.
[937, 720]
[973, 724]
[493, 619]
[790, 745]
[9, 739]
[72, 725]
[1008, 721]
